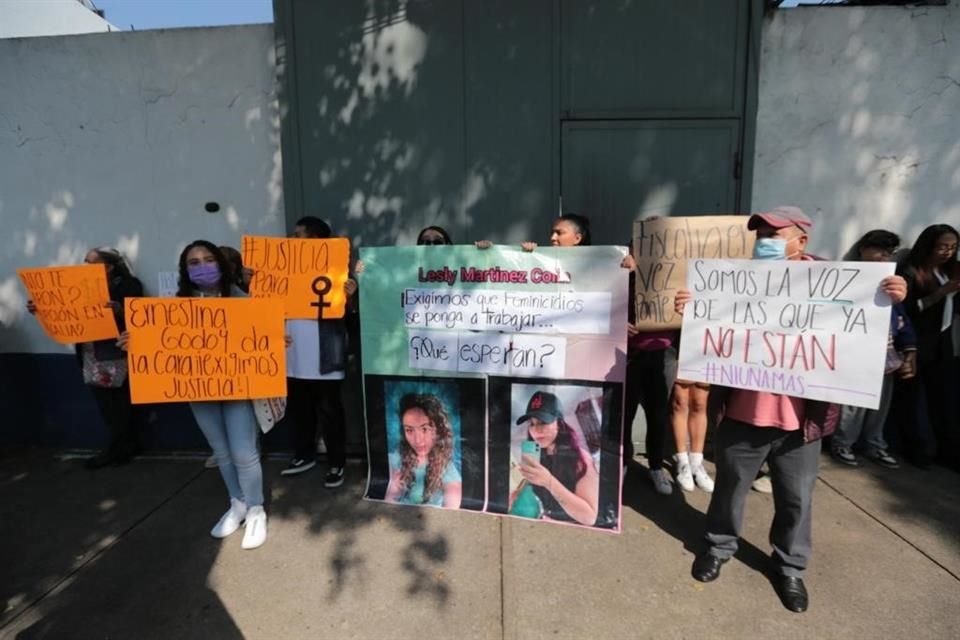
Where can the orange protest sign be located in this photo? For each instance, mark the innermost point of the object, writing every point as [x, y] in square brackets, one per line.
[308, 274]
[197, 349]
[72, 302]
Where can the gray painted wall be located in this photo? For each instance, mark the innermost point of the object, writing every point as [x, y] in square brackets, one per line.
[858, 119]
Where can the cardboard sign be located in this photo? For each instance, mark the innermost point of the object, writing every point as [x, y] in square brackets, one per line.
[307, 274]
[465, 350]
[198, 349]
[662, 247]
[72, 302]
[808, 329]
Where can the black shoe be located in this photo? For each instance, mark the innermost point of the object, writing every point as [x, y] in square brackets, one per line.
[706, 567]
[844, 455]
[792, 593]
[334, 478]
[884, 459]
[298, 466]
[102, 459]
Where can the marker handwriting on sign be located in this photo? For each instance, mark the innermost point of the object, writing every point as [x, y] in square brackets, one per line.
[662, 248]
[814, 329]
[189, 349]
[307, 273]
[71, 302]
[501, 354]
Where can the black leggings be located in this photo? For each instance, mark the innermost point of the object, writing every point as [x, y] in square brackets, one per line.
[310, 402]
[649, 379]
[117, 414]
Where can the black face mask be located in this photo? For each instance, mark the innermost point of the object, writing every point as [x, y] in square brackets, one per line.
[432, 242]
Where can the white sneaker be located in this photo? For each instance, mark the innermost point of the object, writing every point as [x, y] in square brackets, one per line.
[685, 477]
[763, 484]
[256, 529]
[703, 480]
[661, 482]
[231, 520]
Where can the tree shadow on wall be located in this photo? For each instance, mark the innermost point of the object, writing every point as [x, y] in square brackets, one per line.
[399, 126]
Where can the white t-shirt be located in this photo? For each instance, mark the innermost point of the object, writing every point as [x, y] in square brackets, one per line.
[303, 356]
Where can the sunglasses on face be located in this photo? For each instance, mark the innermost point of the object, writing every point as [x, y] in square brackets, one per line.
[432, 241]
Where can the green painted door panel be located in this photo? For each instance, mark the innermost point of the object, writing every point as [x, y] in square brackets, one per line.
[615, 172]
[634, 57]
[379, 102]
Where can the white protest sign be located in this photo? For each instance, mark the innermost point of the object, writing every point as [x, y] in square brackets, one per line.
[525, 355]
[508, 310]
[808, 329]
[167, 284]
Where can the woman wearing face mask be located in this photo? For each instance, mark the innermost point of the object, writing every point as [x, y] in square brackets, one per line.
[230, 426]
[105, 365]
[933, 276]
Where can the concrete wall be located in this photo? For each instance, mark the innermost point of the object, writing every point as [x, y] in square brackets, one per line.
[858, 120]
[120, 139]
[28, 18]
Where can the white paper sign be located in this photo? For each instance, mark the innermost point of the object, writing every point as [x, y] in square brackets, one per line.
[525, 355]
[808, 329]
[167, 284]
[508, 310]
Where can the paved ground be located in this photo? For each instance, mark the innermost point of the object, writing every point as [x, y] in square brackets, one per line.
[124, 553]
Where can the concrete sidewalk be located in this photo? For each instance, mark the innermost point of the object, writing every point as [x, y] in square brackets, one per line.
[125, 553]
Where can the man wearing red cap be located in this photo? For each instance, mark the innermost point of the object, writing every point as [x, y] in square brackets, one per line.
[782, 430]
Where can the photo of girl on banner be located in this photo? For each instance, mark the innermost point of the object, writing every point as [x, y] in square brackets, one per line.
[431, 449]
[424, 469]
[562, 460]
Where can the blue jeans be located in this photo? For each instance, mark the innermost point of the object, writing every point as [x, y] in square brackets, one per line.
[857, 423]
[230, 428]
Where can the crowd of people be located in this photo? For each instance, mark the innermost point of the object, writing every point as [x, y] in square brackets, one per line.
[917, 417]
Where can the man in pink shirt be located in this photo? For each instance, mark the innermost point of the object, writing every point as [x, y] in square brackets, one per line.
[782, 430]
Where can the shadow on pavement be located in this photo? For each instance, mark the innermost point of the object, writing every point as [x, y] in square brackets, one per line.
[679, 519]
[79, 562]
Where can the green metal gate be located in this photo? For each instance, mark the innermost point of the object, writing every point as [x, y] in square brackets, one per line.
[478, 115]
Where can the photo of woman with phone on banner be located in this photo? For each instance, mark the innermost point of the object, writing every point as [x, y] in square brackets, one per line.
[553, 474]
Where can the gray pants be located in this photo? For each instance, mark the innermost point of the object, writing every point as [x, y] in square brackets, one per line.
[741, 449]
[857, 422]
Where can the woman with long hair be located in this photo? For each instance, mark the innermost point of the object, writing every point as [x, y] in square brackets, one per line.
[565, 478]
[858, 424]
[230, 426]
[104, 364]
[933, 279]
[424, 470]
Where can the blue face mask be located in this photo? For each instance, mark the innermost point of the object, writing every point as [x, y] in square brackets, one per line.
[770, 249]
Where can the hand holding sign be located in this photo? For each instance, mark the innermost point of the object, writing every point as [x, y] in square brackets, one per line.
[808, 329]
[71, 303]
[199, 349]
